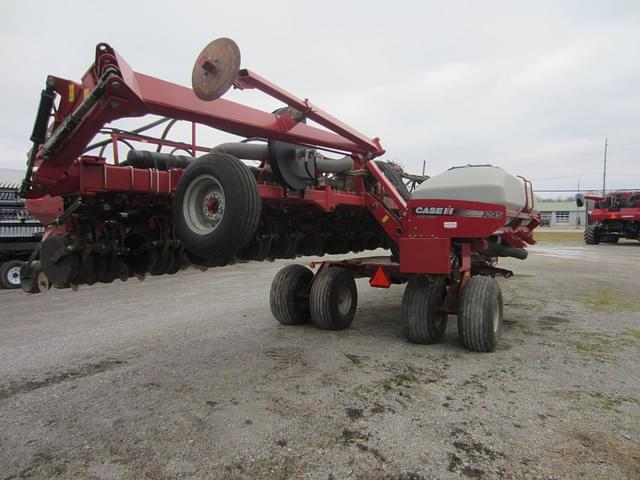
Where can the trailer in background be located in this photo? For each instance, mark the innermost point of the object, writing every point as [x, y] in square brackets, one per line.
[20, 234]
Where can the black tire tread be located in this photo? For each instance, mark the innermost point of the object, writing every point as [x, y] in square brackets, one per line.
[475, 326]
[243, 181]
[395, 178]
[420, 311]
[282, 295]
[591, 235]
[321, 302]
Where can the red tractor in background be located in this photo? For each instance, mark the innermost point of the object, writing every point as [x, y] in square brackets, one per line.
[613, 216]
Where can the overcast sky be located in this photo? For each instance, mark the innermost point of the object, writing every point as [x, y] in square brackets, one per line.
[533, 87]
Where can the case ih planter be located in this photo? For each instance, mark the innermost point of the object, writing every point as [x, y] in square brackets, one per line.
[150, 213]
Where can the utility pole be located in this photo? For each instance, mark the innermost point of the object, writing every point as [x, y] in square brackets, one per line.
[578, 212]
[604, 171]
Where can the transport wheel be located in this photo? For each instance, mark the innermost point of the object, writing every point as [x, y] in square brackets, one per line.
[217, 206]
[421, 316]
[333, 299]
[10, 274]
[591, 236]
[289, 297]
[480, 314]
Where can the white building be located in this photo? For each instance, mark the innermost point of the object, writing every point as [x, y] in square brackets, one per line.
[561, 214]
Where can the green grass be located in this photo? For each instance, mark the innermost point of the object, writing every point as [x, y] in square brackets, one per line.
[611, 402]
[605, 300]
[634, 333]
[599, 350]
[602, 346]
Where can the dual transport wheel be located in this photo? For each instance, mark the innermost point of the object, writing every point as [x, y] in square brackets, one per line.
[480, 315]
[329, 299]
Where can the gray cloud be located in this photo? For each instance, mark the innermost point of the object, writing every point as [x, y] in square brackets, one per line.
[531, 86]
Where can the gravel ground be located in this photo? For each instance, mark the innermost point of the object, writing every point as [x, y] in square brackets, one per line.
[189, 376]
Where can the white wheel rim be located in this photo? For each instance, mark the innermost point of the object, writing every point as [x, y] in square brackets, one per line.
[204, 205]
[13, 276]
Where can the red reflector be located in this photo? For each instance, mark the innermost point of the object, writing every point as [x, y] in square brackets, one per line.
[380, 279]
[613, 215]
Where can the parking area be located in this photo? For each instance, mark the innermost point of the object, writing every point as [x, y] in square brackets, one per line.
[189, 376]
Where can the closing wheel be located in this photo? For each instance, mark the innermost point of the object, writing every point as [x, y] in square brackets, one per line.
[29, 277]
[421, 316]
[10, 274]
[480, 314]
[333, 299]
[289, 297]
[35, 281]
[217, 206]
[591, 235]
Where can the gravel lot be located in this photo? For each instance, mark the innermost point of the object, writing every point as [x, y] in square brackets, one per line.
[189, 376]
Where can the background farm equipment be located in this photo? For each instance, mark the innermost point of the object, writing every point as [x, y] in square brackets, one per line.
[613, 216]
[286, 188]
[20, 234]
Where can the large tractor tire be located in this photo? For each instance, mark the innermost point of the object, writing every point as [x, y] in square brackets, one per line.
[217, 206]
[591, 236]
[421, 316]
[480, 316]
[10, 274]
[289, 296]
[334, 299]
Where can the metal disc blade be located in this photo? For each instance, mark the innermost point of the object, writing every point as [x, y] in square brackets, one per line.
[215, 69]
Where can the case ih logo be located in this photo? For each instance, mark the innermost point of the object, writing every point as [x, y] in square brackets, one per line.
[433, 210]
[457, 212]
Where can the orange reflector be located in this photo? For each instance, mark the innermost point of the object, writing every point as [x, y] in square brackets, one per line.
[380, 279]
